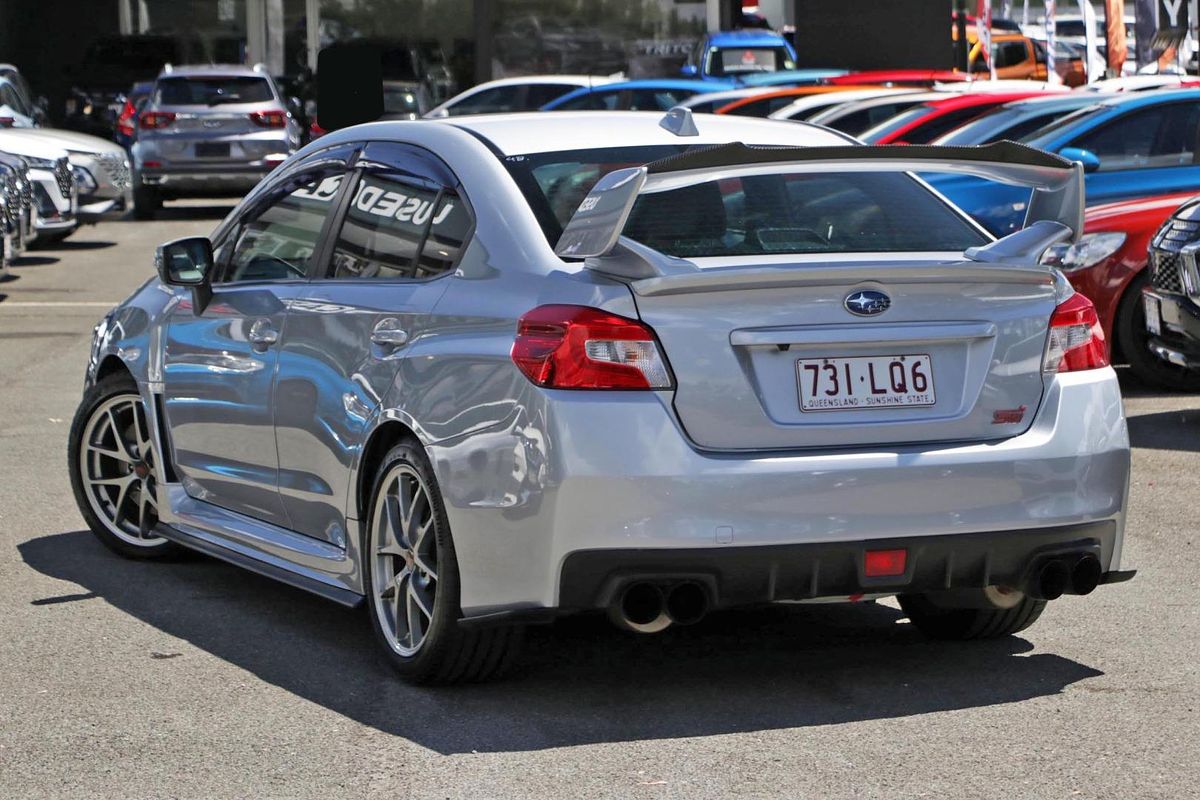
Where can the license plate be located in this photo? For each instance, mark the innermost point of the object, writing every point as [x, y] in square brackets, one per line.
[1153, 314]
[212, 150]
[846, 384]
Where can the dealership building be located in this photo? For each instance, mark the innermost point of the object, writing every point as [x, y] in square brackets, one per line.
[61, 43]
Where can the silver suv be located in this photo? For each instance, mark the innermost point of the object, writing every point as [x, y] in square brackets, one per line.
[207, 131]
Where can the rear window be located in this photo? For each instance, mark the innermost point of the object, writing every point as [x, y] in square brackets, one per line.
[760, 215]
[211, 91]
[740, 60]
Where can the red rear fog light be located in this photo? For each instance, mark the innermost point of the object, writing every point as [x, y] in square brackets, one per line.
[884, 563]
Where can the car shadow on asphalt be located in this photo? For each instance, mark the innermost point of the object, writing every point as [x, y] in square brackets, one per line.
[579, 681]
[1177, 430]
[79, 244]
[186, 213]
[35, 261]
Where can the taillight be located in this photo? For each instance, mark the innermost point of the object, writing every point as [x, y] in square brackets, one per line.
[268, 119]
[315, 129]
[576, 347]
[1076, 339]
[125, 121]
[155, 119]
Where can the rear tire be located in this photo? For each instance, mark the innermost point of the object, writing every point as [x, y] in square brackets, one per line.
[411, 569]
[960, 624]
[1134, 339]
[147, 202]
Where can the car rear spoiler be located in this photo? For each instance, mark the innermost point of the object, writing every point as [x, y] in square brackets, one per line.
[1055, 210]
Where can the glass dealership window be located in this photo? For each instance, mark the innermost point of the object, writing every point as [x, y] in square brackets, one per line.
[595, 37]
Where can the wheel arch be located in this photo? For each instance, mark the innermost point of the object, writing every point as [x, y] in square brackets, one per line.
[110, 365]
[386, 435]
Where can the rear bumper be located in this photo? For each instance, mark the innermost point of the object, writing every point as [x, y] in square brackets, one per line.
[1179, 340]
[611, 473]
[740, 576]
[203, 179]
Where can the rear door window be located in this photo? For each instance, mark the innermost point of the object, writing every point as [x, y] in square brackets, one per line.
[383, 229]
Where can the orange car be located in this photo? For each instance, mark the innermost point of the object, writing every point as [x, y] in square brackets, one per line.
[1019, 57]
[766, 104]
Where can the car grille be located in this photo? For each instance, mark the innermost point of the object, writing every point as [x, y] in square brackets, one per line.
[63, 176]
[117, 168]
[1165, 271]
[1165, 265]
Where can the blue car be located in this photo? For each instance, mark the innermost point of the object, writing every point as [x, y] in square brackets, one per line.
[737, 54]
[1021, 119]
[655, 94]
[1130, 146]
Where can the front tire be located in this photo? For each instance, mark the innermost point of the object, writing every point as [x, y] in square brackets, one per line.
[1134, 340]
[412, 581]
[960, 624]
[112, 462]
[147, 202]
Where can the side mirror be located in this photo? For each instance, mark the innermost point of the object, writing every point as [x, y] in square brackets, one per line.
[689, 70]
[1090, 161]
[188, 262]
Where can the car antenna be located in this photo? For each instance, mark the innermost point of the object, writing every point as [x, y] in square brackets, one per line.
[679, 122]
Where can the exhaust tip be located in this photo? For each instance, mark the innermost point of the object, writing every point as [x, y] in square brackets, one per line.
[641, 608]
[1085, 576]
[1052, 580]
[687, 603]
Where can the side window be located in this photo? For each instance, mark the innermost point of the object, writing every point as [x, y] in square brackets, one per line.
[489, 101]
[542, 93]
[385, 224]
[1010, 54]
[943, 124]
[1163, 136]
[278, 242]
[448, 232]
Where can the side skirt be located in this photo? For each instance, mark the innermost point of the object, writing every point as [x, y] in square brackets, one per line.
[329, 592]
[310, 564]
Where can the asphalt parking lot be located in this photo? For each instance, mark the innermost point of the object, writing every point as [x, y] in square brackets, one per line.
[196, 679]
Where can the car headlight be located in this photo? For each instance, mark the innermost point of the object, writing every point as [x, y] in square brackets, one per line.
[39, 163]
[1090, 250]
[87, 184]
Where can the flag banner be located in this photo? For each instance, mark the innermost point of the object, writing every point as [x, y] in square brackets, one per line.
[1114, 36]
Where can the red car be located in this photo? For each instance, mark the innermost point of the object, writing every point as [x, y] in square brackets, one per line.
[898, 77]
[923, 123]
[1108, 266]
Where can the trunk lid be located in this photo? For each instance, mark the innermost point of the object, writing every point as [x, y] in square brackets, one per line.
[744, 340]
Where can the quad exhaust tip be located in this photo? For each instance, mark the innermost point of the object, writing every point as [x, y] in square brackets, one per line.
[644, 607]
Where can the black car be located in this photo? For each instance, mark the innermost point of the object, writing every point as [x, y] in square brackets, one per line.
[1172, 301]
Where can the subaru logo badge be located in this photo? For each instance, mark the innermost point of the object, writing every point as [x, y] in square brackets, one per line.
[867, 302]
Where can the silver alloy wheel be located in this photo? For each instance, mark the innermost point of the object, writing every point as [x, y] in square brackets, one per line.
[116, 462]
[403, 545]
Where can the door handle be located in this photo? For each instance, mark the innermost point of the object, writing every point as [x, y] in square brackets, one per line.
[388, 334]
[262, 335]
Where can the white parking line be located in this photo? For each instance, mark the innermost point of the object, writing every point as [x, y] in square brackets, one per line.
[52, 304]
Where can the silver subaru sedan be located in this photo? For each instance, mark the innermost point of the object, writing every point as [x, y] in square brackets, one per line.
[480, 373]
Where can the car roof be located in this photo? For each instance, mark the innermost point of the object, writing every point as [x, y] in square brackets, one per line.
[576, 80]
[784, 76]
[211, 70]
[745, 38]
[1041, 103]
[667, 83]
[581, 130]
